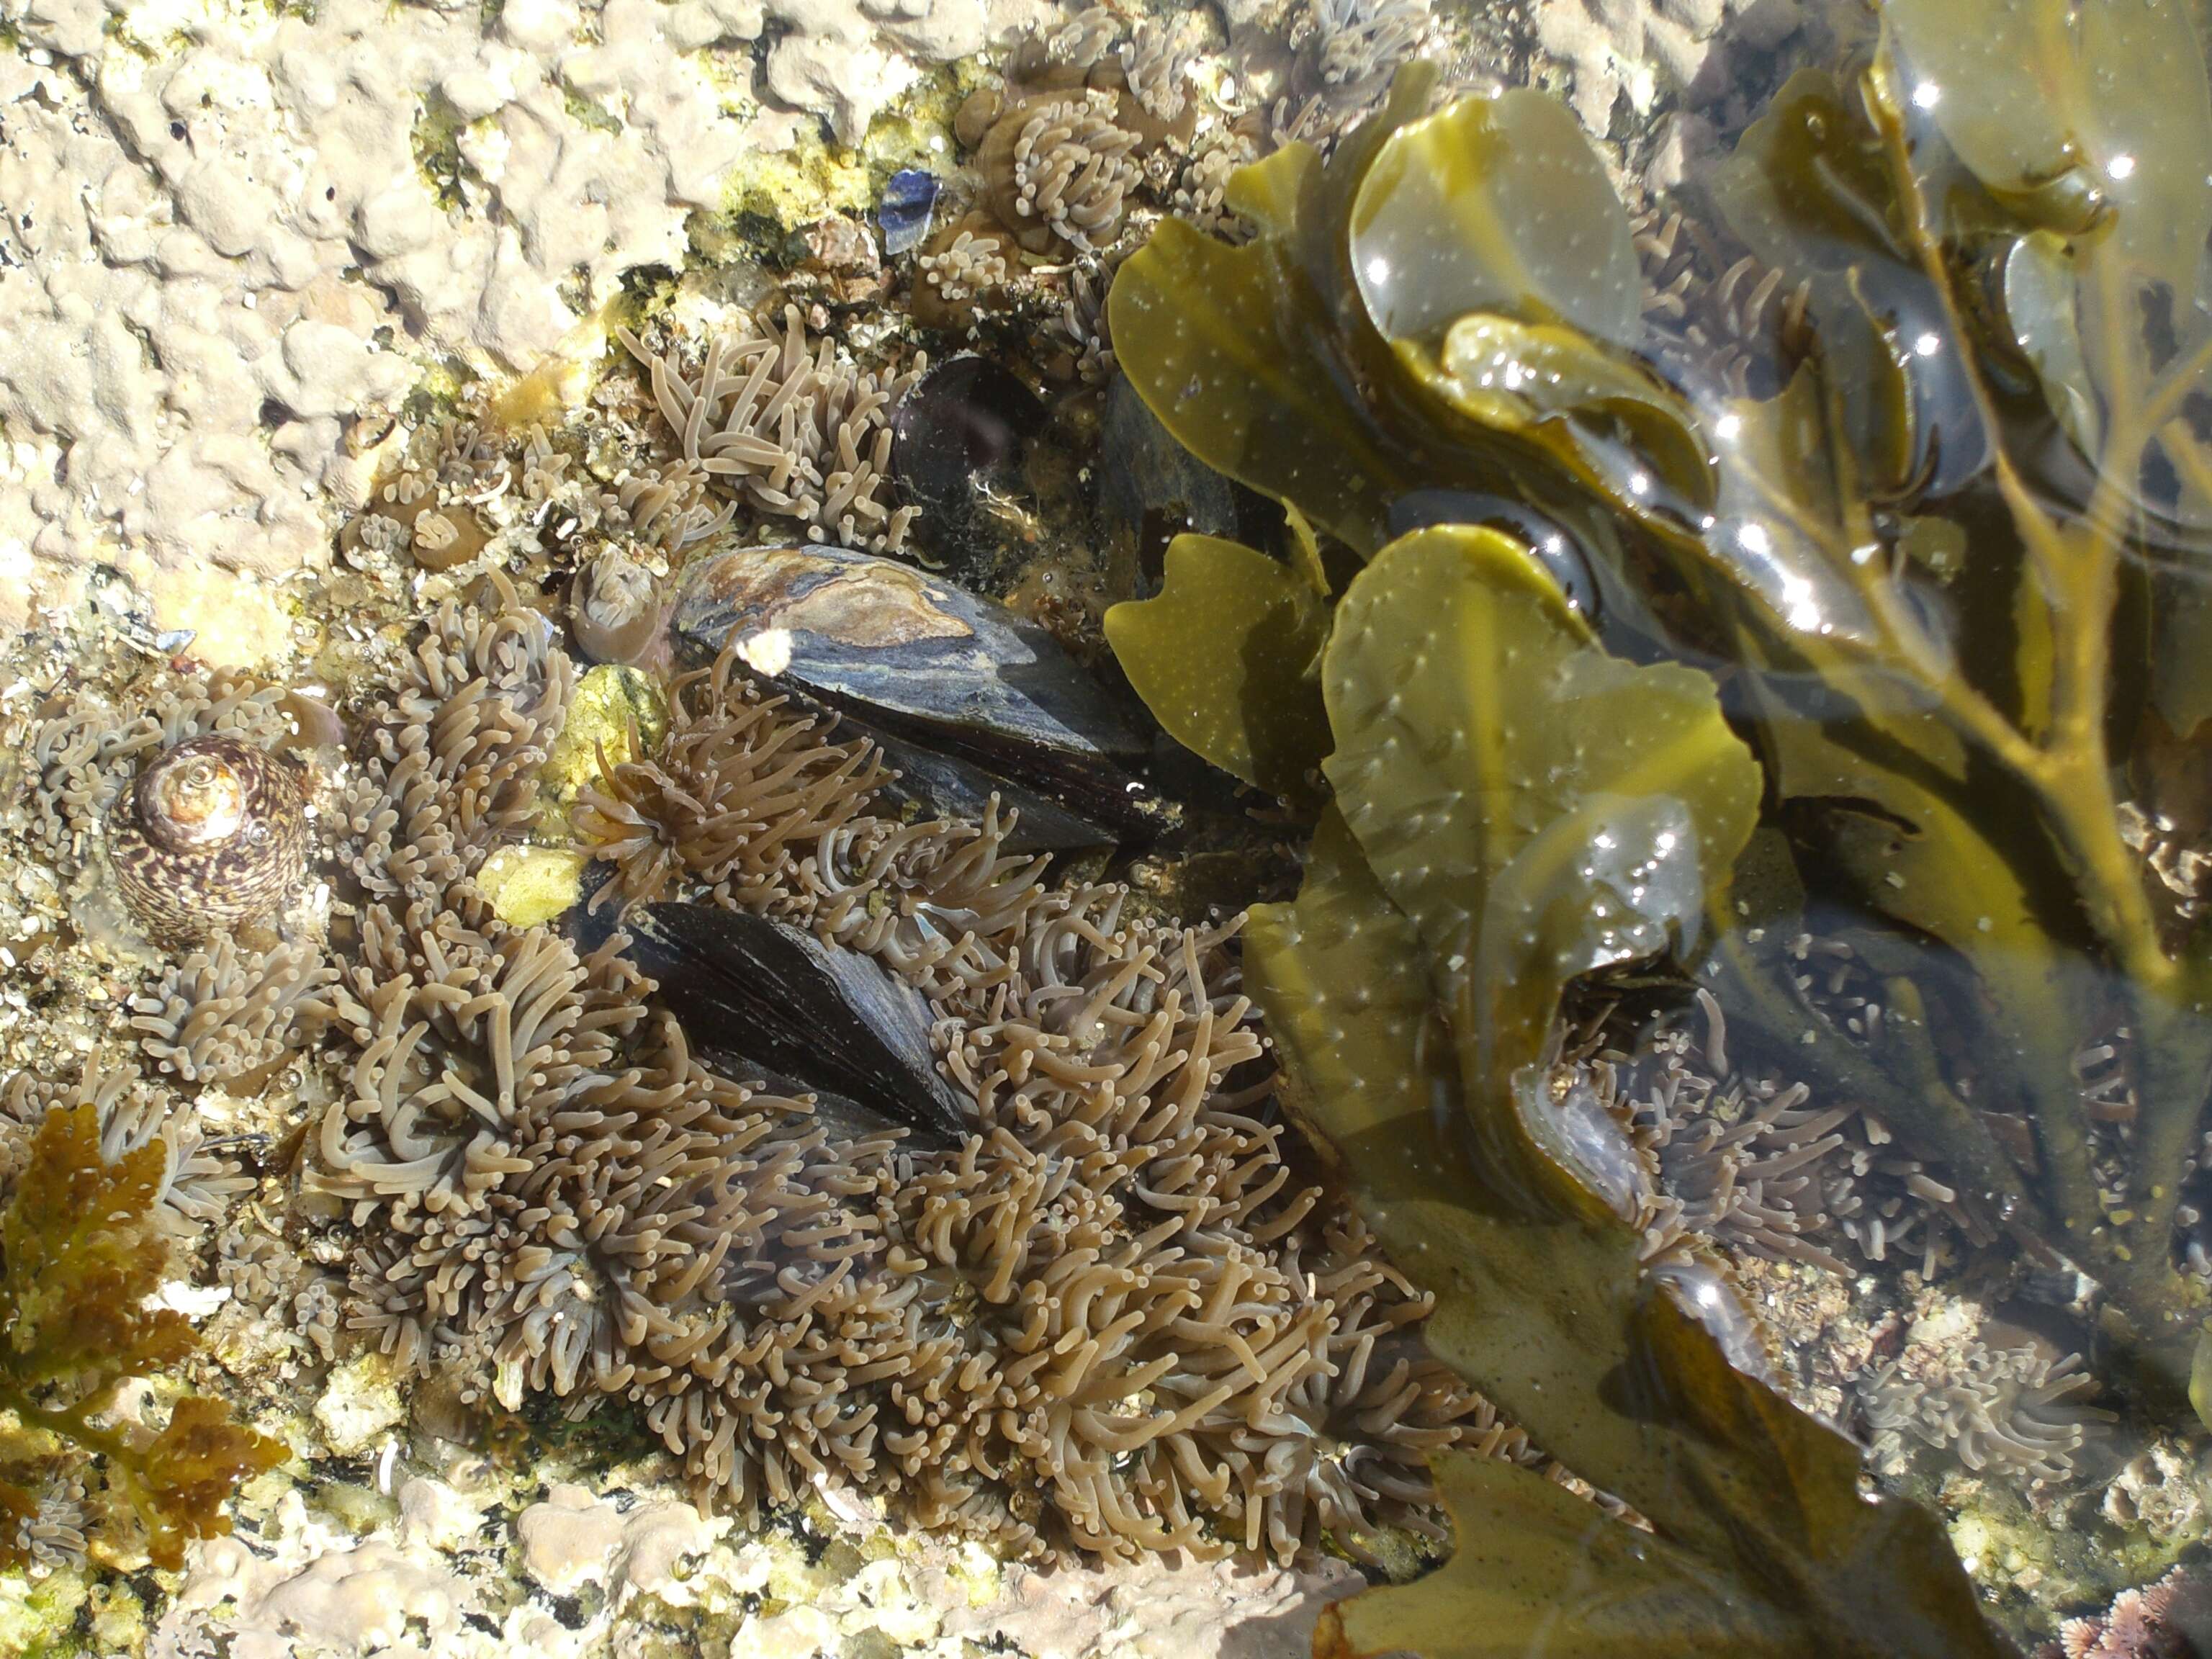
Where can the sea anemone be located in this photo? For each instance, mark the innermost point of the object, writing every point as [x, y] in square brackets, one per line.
[734, 795]
[1113, 1318]
[788, 427]
[1057, 167]
[2013, 1411]
[614, 608]
[226, 1015]
[449, 763]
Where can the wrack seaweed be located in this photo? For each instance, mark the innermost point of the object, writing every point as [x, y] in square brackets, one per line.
[1907, 613]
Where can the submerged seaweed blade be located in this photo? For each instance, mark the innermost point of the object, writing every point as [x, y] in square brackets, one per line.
[1413, 987]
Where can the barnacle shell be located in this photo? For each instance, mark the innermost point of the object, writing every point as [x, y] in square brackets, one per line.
[613, 610]
[214, 833]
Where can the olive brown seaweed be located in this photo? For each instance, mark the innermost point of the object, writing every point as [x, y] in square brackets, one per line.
[1943, 582]
[82, 1250]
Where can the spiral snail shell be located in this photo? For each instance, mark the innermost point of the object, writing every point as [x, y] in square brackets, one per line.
[213, 835]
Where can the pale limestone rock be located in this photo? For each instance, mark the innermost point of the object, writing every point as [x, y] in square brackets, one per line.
[361, 1599]
[303, 1588]
[1151, 1610]
[434, 1516]
[213, 209]
[573, 1539]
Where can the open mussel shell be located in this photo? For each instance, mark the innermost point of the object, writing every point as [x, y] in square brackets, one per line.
[967, 419]
[918, 661]
[777, 1006]
[959, 439]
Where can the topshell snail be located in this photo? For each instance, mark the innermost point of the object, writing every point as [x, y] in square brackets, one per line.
[214, 834]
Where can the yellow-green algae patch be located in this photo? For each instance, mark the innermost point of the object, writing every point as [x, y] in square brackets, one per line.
[119, 1618]
[39, 1617]
[618, 712]
[360, 1405]
[815, 176]
[528, 886]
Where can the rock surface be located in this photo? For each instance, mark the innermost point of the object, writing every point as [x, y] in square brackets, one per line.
[234, 235]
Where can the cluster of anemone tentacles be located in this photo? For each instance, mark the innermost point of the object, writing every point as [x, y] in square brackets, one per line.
[1110, 1319]
[1751, 1161]
[1742, 1162]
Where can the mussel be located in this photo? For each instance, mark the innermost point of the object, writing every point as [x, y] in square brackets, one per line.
[905, 208]
[777, 1006]
[918, 662]
[938, 787]
[961, 438]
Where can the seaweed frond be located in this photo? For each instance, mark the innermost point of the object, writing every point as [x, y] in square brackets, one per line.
[81, 1257]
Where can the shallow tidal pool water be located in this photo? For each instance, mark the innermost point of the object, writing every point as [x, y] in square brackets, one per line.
[1346, 827]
